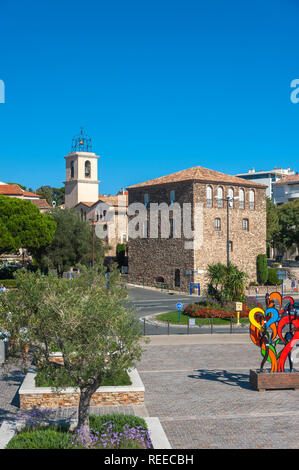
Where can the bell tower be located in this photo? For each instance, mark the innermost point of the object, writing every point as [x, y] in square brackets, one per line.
[81, 184]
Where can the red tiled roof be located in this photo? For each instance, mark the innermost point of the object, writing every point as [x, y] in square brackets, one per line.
[290, 179]
[199, 173]
[111, 200]
[11, 190]
[41, 203]
[27, 193]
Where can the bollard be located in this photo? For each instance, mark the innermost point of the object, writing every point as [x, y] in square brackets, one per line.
[168, 326]
[231, 325]
[188, 327]
[211, 326]
[144, 327]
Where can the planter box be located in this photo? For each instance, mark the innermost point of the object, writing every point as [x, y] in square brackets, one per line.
[262, 381]
[46, 397]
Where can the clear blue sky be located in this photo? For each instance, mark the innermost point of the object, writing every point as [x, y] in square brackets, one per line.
[159, 85]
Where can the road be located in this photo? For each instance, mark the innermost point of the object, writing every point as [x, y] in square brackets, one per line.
[147, 302]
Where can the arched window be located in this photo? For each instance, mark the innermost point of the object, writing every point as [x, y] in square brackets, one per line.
[209, 196]
[217, 224]
[72, 170]
[251, 200]
[241, 198]
[231, 197]
[220, 196]
[87, 169]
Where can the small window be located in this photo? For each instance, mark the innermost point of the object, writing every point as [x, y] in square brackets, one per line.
[87, 169]
[241, 198]
[245, 225]
[171, 228]
[217, 224]
[230, 246]
[172, 196]
[231, 198]
[220, 197]
[72, 170]
[209, 196]
[251, 200]
[124, 238]
[146, 199]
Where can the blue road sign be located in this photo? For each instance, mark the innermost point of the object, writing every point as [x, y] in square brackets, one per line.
[179, 305]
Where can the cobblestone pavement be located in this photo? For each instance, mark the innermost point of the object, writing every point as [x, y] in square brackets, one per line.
[11, 378]
[202, 396]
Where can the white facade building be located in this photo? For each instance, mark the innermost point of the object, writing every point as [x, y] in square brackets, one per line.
[266, 177]
[286, 189]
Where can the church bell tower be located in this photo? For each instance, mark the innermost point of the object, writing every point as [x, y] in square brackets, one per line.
[81, 183]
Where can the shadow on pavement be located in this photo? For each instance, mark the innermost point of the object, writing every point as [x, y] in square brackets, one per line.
[231, 379]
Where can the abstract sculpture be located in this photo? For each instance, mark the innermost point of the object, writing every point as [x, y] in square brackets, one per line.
[275, 327]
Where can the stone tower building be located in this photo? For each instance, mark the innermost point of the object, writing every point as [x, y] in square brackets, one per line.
[173, 260]
[81, 173]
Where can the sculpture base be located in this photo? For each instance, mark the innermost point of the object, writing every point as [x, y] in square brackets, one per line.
[263, 381]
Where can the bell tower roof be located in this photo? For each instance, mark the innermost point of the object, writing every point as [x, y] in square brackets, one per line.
[81, 143]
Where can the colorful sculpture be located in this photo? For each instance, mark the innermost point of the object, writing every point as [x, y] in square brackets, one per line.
[273, 327]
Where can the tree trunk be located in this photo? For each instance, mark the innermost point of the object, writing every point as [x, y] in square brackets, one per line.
[84, 403]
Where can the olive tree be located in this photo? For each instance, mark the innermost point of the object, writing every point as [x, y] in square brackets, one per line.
[93, 328]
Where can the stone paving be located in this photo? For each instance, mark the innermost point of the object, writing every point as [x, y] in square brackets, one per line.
[11, 378]
[202, 396]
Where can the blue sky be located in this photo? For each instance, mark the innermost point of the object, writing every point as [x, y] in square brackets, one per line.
[160, 86]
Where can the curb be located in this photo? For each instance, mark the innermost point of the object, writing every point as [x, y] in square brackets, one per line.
[157, 434]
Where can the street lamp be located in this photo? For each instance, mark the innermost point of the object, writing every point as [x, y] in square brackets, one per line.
[228, 200]
[93, 223]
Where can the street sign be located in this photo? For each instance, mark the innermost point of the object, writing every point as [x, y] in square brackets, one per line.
[282, 275]
[179, 306]
[239, 306]
[191, 321]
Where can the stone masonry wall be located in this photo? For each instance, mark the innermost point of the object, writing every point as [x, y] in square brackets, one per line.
[150, 259]
[246, 245]
[65, 400]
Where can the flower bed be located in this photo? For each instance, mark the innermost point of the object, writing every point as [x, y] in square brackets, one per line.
[212, 309]
[106, 432]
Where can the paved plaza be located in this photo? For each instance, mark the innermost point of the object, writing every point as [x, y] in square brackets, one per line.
[198, 386]
[202, 396]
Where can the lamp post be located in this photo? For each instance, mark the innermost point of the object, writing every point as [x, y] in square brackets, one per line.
[93, 224]
[228, 200]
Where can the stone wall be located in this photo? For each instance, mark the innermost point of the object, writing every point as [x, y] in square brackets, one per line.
[150, 259]
[154, 258]
[65, 400]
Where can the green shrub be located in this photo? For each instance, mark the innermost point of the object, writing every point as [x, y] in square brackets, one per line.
[97, 421]
[272, 277]
[8, 283]
[262, 269]
[47, 377]
[46, 437]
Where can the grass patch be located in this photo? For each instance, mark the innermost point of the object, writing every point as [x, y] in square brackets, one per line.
[173, 318]
[45, 378]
